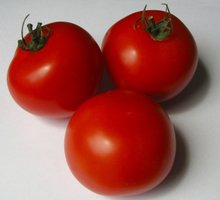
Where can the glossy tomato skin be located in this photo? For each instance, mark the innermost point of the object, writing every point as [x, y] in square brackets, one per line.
[120, 143]
[55, 80]
[161, 69]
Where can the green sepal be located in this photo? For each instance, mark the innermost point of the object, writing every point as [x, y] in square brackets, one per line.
[38, 37]
[160, 30]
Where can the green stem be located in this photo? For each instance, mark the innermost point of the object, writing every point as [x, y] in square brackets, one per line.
[38, 37]
[157, 30]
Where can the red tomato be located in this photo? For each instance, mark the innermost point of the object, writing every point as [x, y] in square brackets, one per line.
[52, 81]
[120, 143]
[158, 59]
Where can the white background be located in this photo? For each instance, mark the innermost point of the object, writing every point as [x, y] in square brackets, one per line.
[32, 162]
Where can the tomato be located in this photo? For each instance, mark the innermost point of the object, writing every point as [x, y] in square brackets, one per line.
[120, 143]
[54, 79]
[151, 51]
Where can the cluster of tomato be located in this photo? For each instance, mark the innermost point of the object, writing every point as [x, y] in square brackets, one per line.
[119, 142]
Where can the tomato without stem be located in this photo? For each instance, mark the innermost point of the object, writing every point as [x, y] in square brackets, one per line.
[139, 58]
[55, 79]
[120, 143]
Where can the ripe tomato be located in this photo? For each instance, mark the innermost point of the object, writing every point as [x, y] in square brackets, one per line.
[151, 51]
[52, 80]
[120, 143]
